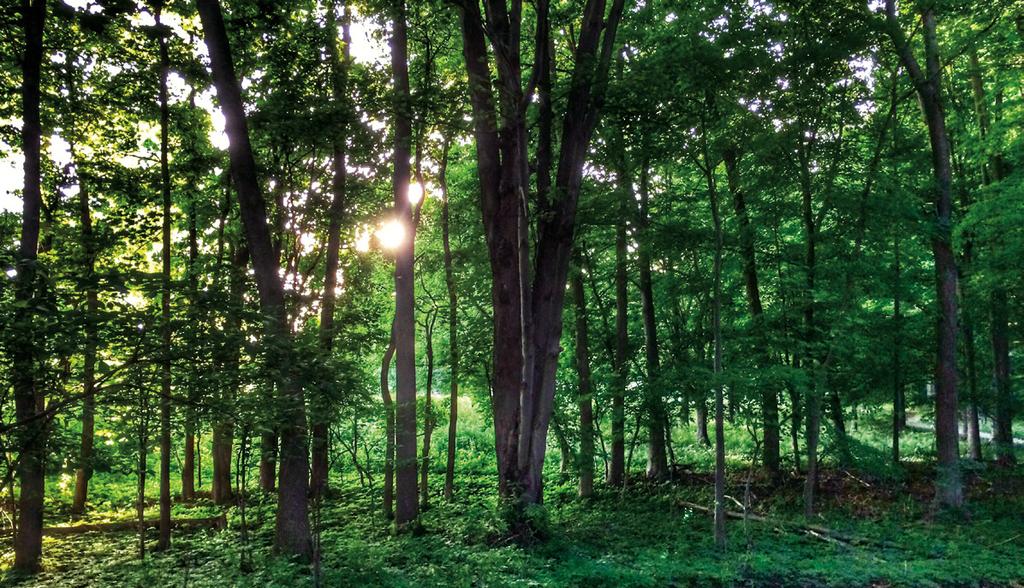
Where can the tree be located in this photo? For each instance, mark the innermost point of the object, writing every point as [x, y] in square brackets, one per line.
[586, 392]
[292, 525]
[339, 87]
[928, 85]
[406, 499]
[527, 305]
[165, 297]
[29, 395]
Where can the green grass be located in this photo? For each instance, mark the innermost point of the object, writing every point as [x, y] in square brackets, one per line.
[640, 537]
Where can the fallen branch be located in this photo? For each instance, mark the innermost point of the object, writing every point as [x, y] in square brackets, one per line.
[815, 531]
[216, 523]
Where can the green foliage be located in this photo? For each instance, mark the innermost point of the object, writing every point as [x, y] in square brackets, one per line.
[643, 537]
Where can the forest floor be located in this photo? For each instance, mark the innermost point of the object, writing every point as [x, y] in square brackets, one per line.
[885, 532]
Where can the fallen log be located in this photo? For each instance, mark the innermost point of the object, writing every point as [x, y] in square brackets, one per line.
[216, 523]
[816, 531]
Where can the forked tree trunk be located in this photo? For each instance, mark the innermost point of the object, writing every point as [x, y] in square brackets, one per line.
[292, 535]
[928, 83]
[527, 312]
[29, 397]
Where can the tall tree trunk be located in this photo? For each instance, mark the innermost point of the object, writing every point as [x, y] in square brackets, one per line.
[585, 398]
[164, 541]
[389, 428]
[140, 464]
[29, 397]
[188, 462]
[83, 472]
[229, 356]
[716, 329]
[769, 395]
[339, 87]
[224, 426]
[406, 502]
[193, 307]
[814, 394]
[292, 534]
[657, 457]
[428, 412]
[453, 327]
[897, 352]
[965, 266]
[621, 361]
[928, 83]
[1004, 413]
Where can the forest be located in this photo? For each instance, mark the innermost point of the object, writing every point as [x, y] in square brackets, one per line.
[511, 293]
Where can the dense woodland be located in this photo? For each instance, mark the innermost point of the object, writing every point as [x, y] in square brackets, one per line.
[493, 292]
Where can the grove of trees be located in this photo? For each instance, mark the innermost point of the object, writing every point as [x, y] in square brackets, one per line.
[762, 243]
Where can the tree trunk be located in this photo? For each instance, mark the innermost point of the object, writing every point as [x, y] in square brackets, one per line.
[769, 395]
[292, 534]
[818, 378]
[389, 428]
[702, 424]
[406, 503]
[339, 86]
[928, 83]
[453, 328]
[657, 457]
[585, 398]
[268, 461]
[621, 367]
[897, 352]
[29, 397]
[1003, 433]
[716, 329]
[188, 462]
[1002, 436]
[224, 424]
[140, 488]
[83, 472]
[164, 541]
[428, 412]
